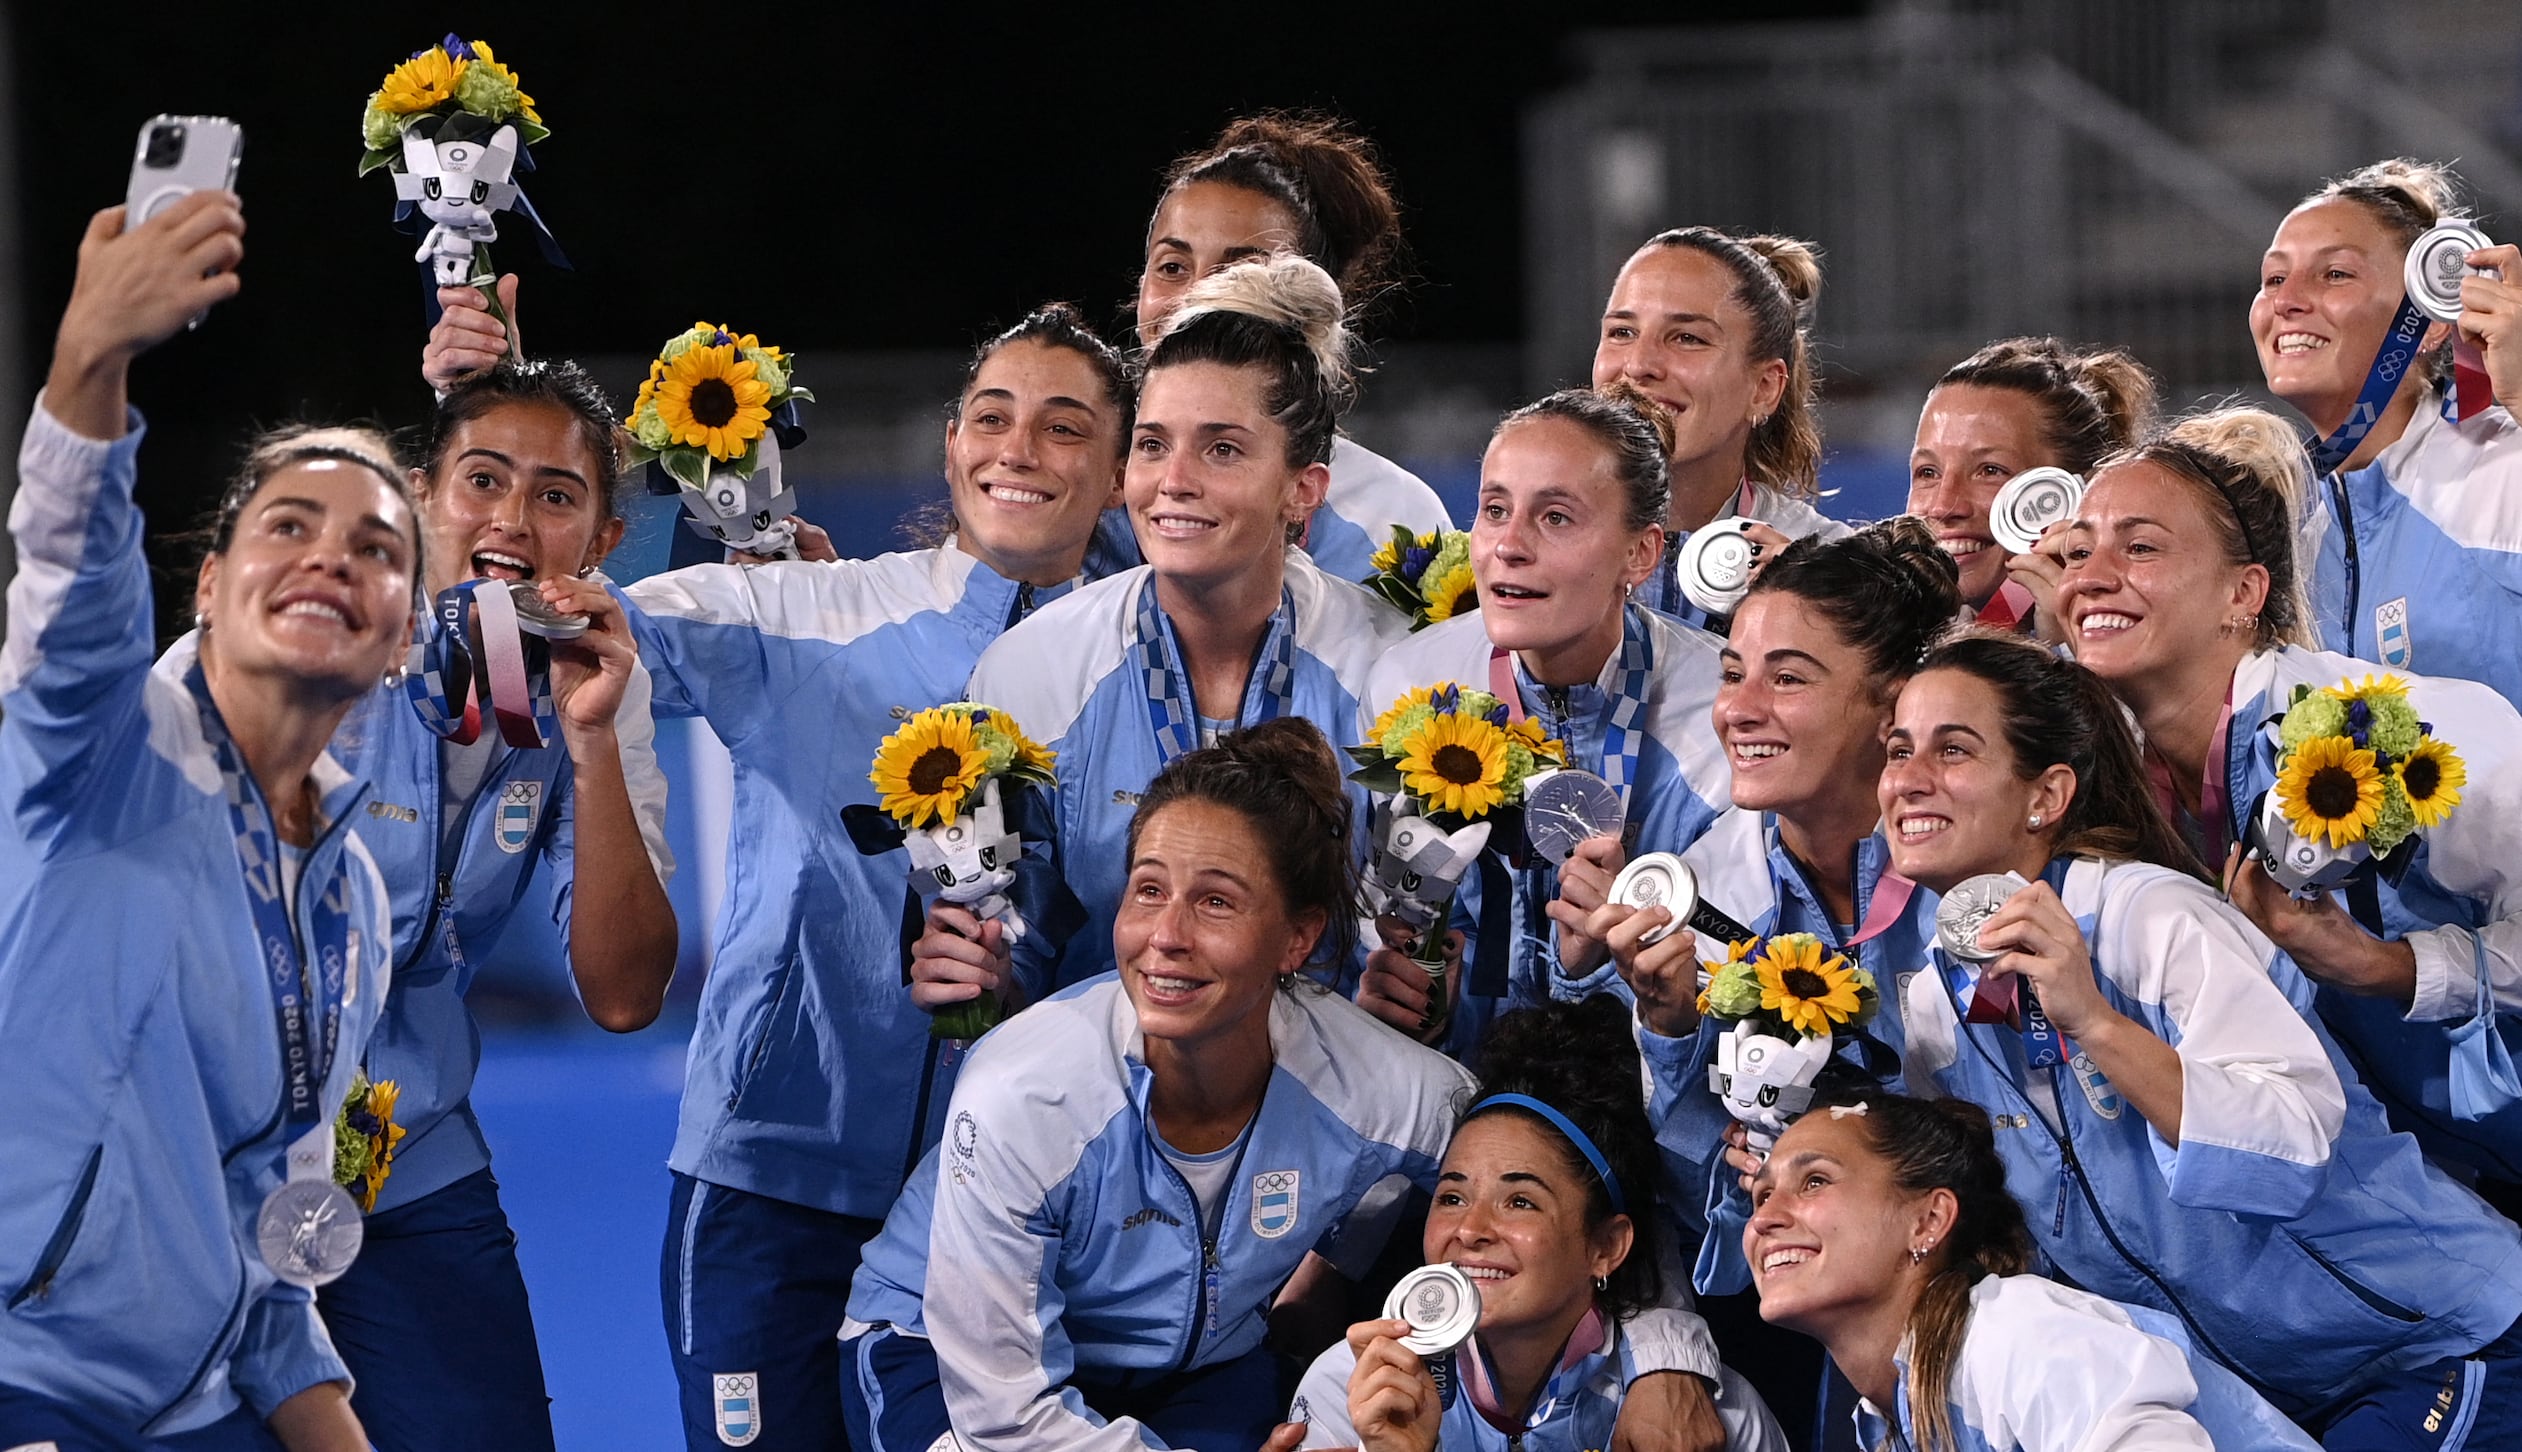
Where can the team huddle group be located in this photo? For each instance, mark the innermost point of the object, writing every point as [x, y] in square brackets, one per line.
[2227, 1174]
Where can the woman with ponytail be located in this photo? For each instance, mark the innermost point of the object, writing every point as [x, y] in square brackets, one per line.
[2180, 590]
[1306, 184]
[1712, 327]
[1225, 625]
[2412, 552]
[1883, 1229]
[1545, 1200]
[2024, 403]
[2170, 1115]
[1573, 490]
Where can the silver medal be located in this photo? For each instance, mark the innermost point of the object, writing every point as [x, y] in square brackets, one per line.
[1659, 879]
[535, 616]
[2029, 503]
[1967, 908]
[1442, 1305]
[1563, 808]
[309, 1232]
[1715, 564]
[2437, 261]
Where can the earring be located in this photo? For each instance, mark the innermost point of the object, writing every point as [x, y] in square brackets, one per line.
[2035, 821]
[397, 675]
[1917, 1255]
[1602, 1283]
[201, 620]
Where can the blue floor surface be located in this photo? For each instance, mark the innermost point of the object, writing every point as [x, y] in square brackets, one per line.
[579, 1122]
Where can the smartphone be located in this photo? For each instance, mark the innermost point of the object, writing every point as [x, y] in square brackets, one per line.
[177, 156]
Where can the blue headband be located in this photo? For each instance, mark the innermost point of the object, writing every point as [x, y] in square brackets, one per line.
[1575, 1136]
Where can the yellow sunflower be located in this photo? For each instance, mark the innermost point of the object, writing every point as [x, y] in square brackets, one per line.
[1530, 734]
[1799, 987]
[1450, 594]
[1408, 700]
[483, 58]
[928, 767]
[2371, 687]
[381, 1100]
[1030, 754]
[426, 80]
[709, 397]
[2331, 789]
[1456, 764]
[2432, 778]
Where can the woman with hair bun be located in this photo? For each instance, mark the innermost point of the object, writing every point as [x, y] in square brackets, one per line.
[2180, 590]
[1545, 1200]
[2170, 1116]
[2412, 551]
[1573, 491]
[1226, 625]
[1712, 327]
[1137, 1165]
[1306, 184]
[1882, 1227]
[2024, 403]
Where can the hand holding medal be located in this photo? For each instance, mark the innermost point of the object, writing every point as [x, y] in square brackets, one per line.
[2035, 968]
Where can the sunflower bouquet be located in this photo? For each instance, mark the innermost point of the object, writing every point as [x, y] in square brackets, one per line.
[454, 128]
[1445, 761]
[711, 417]
[1780, 1002]
[941, 776]
[2358, 778]
[365, 1138]
[1425, 576]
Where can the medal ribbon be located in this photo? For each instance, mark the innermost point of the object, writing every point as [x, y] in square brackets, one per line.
[1171, 713]
[476, 655]
[307, 1007]
[2008, 608]
[2398, 354]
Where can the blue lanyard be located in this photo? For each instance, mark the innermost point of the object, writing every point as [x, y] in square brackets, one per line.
[1268, 695]
[307, 1008]
[2390, 365]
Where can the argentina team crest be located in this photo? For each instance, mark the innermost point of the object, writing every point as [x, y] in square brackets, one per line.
[520, 806]
[737, 1396]
[2390, 631]
[1273, 1203]
[2097, 1090]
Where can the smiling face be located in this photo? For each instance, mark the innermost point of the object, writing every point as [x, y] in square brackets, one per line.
[1831, 1229]
[315, 586]
[1200, 228]
[2149, 595]
[1552, 550]
[517, 495]
[1210, 491]
[1673, 328]
[1971, 439]
[1204, 932]
[2328, 289]
[1510, 1212]
[1799, 712]
[1033, 457]
[1954, 799]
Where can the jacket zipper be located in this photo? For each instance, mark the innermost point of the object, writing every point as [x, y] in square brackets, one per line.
[449, 863]
[57, 1248]
[2071, 1168]
[2346, 511]
[2371, 1298]
[1207, 1284]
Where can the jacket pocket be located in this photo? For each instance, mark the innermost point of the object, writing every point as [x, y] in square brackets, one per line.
[65, 1231]
[2373, 1299]
[763, 1038]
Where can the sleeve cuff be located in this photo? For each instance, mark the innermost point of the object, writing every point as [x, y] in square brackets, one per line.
[2447, 976]
[1664, 1339]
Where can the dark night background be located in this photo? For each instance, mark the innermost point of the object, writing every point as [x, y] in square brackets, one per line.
[902, 178]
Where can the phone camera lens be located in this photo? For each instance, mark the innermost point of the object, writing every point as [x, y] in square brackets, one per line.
[165, 148]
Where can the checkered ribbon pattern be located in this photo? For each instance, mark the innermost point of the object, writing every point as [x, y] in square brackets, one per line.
[1155, 656]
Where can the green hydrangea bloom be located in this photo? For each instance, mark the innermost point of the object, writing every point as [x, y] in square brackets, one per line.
[651, 429]
[2318, 714]
[1735, 991]
[1409, 721]
[769, 371]
[2397, 820]
[684, 343]
[382, 130]
[485, 93]
[350, 1153]
[2395, 727]
[1519, 765]
[1001, 749]
[1454, 549]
